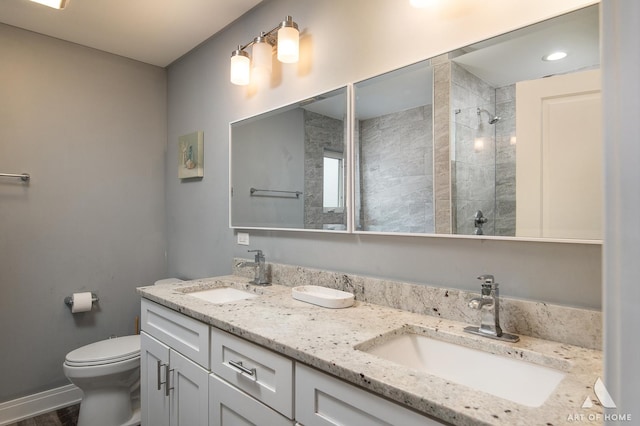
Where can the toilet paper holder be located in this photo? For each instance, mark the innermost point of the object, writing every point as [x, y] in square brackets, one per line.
[69, 300]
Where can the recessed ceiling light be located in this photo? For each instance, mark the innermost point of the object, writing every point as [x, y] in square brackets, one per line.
[56, 4]
[555, 56]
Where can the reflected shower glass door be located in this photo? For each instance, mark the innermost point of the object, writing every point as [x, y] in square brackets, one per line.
[483, 163]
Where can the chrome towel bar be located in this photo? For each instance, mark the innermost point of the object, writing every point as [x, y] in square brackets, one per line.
[253, 191]
[23, 176]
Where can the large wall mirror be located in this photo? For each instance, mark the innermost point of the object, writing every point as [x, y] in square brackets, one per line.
[495, 139]
[492, 139]
[287, 168]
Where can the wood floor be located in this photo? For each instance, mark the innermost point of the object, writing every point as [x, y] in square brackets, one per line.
[67, 416]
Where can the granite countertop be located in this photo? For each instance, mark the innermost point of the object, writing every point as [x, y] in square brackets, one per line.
[326, 339]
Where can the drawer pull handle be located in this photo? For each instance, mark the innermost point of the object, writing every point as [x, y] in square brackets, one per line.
[244, 370]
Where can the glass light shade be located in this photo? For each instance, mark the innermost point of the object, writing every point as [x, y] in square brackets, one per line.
[421, 4]
[56, 4]
[288, 45]
[262, 54]
[240, 68]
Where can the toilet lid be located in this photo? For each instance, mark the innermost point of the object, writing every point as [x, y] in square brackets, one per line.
[105, 352]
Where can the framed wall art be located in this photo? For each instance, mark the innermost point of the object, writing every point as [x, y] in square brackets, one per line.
[191, 155]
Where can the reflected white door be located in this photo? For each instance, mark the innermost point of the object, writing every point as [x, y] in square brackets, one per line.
[559, 157]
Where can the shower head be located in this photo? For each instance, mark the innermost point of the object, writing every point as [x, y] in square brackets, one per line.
[493, 119]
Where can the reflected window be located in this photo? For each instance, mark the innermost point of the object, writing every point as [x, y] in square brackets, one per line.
[333, 188]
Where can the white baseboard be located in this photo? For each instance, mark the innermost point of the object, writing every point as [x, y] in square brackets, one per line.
[38, 403]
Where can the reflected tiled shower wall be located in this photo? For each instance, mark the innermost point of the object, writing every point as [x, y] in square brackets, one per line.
[397, 184]
[473, 151]
[506, 161]
[442, 170]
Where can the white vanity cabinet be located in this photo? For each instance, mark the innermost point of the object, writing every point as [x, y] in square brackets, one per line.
[174, 358]
[250, 384]
[323, 400]
[196, 375]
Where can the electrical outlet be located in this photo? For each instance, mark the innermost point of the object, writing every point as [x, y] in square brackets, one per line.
[243, 238]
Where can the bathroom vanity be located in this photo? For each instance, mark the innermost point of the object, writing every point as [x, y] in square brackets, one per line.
[222, 351]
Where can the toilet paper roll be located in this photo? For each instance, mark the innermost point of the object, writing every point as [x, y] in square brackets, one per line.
[81, 302]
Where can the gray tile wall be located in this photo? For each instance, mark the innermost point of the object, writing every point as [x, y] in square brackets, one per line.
[320, 133]
[441, 140]
[396, 169]
[506, 162]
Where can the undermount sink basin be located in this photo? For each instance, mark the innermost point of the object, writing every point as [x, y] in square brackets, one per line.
[516, 380]
[222, 295]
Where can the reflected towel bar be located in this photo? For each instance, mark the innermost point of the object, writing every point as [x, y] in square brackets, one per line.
[253, 191]
[23, 176]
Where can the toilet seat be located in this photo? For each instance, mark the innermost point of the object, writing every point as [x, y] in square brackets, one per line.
[105, 352]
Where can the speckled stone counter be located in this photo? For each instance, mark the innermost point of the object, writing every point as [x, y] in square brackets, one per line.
[326, 339]
[564, 324]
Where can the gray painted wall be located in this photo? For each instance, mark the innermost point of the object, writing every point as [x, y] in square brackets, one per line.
[200, 97]
[90, 128]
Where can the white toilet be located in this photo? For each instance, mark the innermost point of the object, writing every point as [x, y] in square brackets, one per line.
[108, 373]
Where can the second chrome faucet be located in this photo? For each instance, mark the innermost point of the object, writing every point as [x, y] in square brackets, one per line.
[489, 306]
[260, 277]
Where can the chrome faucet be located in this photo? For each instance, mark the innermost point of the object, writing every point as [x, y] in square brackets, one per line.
[489, 306]
[260, 268]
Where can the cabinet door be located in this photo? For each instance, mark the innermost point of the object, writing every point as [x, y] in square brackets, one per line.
[154, 356]
[189, 391]
[229, 406]
[323, 400]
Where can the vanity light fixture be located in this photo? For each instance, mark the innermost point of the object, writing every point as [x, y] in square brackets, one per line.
[421, 4]
[56, 4]
[285, 37]
[555, 56]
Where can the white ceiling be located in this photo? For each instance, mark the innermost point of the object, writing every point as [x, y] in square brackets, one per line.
[499, 61]
[517, 56]
[153, 31]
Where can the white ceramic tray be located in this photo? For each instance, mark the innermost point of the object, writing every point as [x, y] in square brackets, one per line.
[323, 296]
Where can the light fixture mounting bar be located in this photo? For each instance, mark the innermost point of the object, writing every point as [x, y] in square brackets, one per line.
[272, 34]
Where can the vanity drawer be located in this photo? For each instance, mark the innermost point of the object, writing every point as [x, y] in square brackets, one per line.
[323, 400]
[186, 335]
[261, 373]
